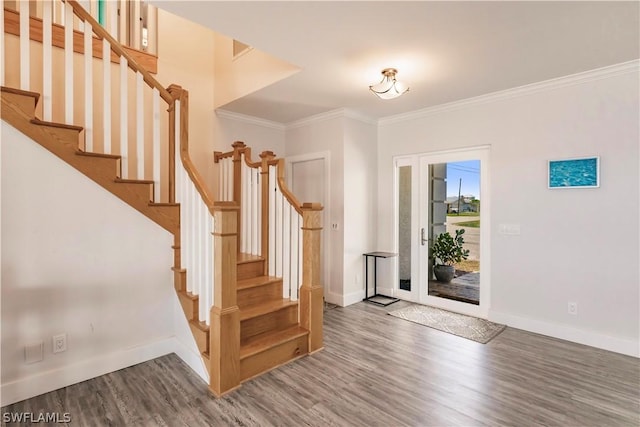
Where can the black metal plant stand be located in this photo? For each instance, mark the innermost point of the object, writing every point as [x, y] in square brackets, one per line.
[385, 299]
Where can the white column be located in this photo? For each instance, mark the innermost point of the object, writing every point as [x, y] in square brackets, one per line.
[47, 65]
[156, 145]
[88, 86]
[124, 125]
[106, 101]
[25, 70]
[68, 64]
[140, 125]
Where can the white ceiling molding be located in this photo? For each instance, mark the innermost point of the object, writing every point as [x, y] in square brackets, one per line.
[552, 84]
[337, 113]
[244, 118]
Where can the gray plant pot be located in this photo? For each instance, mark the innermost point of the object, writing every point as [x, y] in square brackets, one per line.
[444, 273]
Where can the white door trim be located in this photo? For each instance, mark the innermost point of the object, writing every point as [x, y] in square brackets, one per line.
[326, 156]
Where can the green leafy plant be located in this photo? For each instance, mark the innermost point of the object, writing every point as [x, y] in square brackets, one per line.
[448, 250]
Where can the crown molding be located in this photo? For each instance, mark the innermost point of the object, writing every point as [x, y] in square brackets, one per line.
[547, 85]
[244, 118]
[332, 114]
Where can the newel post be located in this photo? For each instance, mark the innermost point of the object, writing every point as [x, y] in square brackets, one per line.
[311, 291]
[175, 133]
[238, 150]
[266, 157]
[224, 331]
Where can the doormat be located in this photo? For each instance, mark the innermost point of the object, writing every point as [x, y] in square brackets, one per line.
[472, 328]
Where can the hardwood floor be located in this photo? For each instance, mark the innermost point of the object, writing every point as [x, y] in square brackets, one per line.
[376, 370]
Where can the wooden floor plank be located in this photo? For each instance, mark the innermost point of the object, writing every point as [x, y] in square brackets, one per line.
[377, 370]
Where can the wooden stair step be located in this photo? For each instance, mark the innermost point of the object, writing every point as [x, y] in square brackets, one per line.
[200, 333]
[256, 281]
[258, 289]
[270, 350]
[249, 266]
[98, 155]
[25, 100]
[270, 315]
[189, 303]
[266, 340]
[262, 308]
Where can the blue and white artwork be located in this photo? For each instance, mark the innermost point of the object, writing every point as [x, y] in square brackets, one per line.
[574, 173]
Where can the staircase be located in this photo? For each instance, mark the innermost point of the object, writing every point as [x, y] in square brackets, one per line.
[270, 334]
[251, 292]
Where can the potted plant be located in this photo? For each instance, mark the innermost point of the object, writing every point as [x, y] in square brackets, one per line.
[445, 252]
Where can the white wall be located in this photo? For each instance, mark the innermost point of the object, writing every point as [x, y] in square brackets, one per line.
[360, 155]
[312, 137]
[575, 245]
[76, 260]
[351, 143]
[260, 135]
[186, 53]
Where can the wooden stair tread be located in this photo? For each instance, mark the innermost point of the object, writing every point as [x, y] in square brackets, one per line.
[20, 92]
[164, 204]
[101, 155]
[256, 281]
[134, 181]
[255, 310]
[39, 122]
[200, 325]
[245, 258]
[264, 341]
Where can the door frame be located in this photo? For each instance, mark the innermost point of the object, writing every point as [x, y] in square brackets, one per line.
[419, 213]
[326, 204]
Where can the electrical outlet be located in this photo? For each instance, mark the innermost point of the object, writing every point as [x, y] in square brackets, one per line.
[59, 343]
[572, 308]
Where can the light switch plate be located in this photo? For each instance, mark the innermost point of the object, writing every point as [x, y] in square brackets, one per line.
[34, 352]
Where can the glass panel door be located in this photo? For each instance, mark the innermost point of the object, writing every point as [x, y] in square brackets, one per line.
[436, 194]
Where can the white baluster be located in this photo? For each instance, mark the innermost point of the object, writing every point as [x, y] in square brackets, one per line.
[230, 177]
[156, 144]
[188, 236]
[295, 230]
[2, 45]
[279, 231]
[259, 214]
[24, 45]
[112, 18]
[200, 230]
[124, 127]
[106, 97]
[124, 13]
[255, 218]
[140, 125]
[136, 25]
[300, 253]
[47, 66]
[209, 266]
[245, 208]
[68, 64]
[286, 249]
[88, 87]
[272, 220]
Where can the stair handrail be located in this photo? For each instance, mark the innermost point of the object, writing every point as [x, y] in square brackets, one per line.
[97, 28]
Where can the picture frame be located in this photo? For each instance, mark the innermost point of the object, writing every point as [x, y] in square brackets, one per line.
[577, 172]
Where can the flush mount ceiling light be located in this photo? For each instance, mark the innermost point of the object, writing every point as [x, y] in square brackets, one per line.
[389, 87]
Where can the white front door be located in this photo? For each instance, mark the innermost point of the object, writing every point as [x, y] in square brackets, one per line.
[432, 197]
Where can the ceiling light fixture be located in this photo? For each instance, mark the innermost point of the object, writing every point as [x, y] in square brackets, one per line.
[389, 87]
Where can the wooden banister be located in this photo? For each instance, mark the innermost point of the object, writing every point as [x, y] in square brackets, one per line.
[282, 184]
[116, 47]
[177, 93]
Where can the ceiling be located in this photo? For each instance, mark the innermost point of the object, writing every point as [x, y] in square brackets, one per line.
[445, 51]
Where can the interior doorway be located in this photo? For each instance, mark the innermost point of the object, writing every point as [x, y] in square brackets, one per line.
[308, 179]
[436, 194]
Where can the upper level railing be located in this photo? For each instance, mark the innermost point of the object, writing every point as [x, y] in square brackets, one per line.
[92, 81]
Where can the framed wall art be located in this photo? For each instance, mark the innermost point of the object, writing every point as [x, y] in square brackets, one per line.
[583, 172]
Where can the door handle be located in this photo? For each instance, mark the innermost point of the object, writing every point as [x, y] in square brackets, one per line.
[423, 240]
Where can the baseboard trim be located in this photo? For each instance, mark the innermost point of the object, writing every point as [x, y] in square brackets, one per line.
[568, 333]
[334, 298]
[352, 298]
[45, 382]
